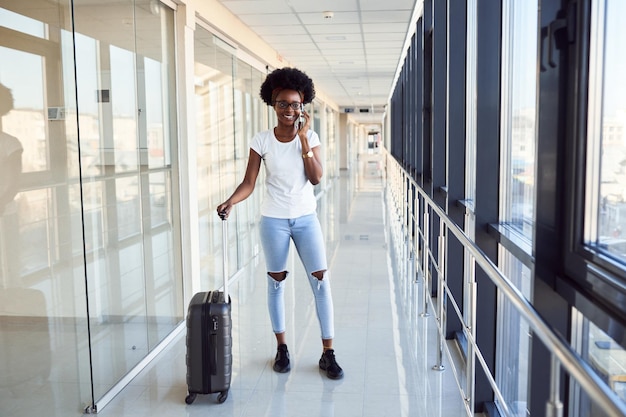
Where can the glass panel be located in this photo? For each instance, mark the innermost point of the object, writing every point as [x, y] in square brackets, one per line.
[607, 132]
[127, 125]
[248, 102]
[217, 173]
[606, 357]
[519, 85]
[43, 323]
[107, 105]
[513, 339]
[156, 99]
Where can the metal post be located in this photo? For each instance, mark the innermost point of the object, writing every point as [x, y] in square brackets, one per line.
[441, 297]
[554, 406]
[407, 229]
[426, 274]
[416, 205]
[470, 329]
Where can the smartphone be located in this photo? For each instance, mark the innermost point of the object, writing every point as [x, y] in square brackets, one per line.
[301, 119]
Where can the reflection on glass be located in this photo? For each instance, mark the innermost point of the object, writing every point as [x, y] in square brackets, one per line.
[156, 111]
[127, 207]
[215, 148]
[27, 121]
[42, 284]
[11, 164]
[21, 23]
[91, 130]
[123, 147]
[608, 359]
[247, 83]
[611, 230]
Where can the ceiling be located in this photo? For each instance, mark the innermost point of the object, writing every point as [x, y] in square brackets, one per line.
[350, 48]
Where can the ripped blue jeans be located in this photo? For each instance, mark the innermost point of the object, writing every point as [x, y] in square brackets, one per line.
[307, 237]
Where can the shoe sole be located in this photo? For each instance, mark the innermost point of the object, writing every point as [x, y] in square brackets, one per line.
[282, 371]
[335, 377]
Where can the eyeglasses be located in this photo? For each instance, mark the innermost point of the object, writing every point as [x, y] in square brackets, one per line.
[283, 105]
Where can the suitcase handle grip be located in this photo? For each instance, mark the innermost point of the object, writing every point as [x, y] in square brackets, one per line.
[225, 255]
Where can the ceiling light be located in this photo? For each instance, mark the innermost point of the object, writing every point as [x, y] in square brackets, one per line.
[328, 15]
[336, 38]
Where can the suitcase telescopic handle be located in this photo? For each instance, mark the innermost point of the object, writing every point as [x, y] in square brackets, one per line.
[225, 254]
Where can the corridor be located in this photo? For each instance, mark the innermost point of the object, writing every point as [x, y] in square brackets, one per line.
[387, 356]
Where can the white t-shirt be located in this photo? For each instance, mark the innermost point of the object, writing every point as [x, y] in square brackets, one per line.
[288, 192]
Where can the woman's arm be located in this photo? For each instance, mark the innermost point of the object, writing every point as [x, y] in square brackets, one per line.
[246, 187]
[312, 167]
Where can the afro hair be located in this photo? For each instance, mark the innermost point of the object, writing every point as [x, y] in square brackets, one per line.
[287, 79]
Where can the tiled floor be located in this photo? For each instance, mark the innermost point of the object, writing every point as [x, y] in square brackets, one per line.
[387, 356]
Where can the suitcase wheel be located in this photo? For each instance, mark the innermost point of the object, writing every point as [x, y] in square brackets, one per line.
[222, 396]
[190, 398]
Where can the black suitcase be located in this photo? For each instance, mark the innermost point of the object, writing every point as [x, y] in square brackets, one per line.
[209, 340]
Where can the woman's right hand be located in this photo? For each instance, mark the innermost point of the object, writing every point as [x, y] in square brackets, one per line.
[223, 210]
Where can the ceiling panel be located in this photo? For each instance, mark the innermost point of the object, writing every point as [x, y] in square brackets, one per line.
[352, 57]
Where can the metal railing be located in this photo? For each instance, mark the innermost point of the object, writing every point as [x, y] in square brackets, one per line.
[412, 204]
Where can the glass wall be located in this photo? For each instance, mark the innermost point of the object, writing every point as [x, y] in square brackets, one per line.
[42, 285]
[126, 108]
[229, 112]
[90, 271]
[605, 208]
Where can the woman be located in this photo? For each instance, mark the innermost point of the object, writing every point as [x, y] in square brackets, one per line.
[291, 155]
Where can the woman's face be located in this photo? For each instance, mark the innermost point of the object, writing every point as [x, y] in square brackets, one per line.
[284, 105]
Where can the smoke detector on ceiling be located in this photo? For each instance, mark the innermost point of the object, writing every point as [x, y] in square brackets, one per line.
[328, 15]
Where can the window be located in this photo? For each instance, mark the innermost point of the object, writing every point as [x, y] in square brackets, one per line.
[596, 255]
[518, 126]
[518, 129]
[605, 211]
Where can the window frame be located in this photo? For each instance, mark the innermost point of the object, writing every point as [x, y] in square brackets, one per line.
[593, 273]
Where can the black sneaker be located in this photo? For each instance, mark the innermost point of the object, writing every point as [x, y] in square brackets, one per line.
[329, 364]
[281, 363]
